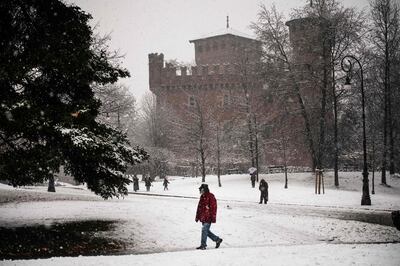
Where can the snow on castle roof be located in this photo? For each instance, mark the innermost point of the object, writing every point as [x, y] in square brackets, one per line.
[224, 31]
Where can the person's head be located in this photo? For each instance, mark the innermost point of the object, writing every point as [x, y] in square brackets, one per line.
[203, 188]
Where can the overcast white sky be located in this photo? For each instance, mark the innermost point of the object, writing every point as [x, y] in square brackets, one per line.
[140, 27]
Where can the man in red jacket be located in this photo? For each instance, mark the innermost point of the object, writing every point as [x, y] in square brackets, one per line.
[207, 214]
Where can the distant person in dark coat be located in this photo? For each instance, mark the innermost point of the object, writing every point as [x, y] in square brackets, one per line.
[207, 214]
[396, 219]
[253, 179]
[135, 183]
[263, 187]
[147, 183]
[165, 183]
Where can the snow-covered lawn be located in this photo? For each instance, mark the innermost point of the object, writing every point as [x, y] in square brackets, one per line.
[295, 227]
[301, 190]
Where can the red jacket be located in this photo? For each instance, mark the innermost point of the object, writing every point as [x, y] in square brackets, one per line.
[207, 208]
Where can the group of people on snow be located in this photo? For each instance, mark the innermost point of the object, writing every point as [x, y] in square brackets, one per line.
[147, 182]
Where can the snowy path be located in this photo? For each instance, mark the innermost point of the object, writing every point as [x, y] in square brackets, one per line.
[321, 254]
[154, 224]
[253, 234]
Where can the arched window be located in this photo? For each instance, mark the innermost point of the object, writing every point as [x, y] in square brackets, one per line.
[192, 100]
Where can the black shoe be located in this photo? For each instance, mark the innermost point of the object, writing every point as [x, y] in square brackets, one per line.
[201, 247]
[219, 241]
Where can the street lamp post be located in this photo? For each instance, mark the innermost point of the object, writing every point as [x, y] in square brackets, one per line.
[365, 199]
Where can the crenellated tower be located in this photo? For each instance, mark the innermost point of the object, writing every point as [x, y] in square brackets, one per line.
[311, 41]
[156, 65]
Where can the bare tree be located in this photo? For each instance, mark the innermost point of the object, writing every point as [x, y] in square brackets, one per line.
[277, 54]
[250, 99]
[339, 29]
[152, 130]
[386, 39]
[155, 118]
[346, 31]
[118, 105]
[192, 131]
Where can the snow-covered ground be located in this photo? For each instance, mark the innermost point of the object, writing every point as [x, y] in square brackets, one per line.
[296, 226]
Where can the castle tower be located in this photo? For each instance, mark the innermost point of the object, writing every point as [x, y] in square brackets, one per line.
[311, 43]
[156, 64]
[309, 39]
[224, 48]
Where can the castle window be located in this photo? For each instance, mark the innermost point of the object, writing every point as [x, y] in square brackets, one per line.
[192, 100]
[207, 47]
[200, 48]
[226, 100]
[269, 98]
[267, 131]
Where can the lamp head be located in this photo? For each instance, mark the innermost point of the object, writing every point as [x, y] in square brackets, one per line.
[347, 84]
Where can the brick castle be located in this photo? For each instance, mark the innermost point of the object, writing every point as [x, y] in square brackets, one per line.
[225, 73]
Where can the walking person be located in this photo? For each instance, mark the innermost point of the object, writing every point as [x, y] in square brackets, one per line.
[147, 183]
[207, 214]
[135, 183]
[165, 183]
[263, 187]
[253, 179]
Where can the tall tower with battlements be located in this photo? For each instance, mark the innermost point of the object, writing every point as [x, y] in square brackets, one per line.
[311, 42]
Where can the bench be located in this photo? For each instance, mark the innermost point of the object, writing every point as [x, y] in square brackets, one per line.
[276, 169]
[232, 171]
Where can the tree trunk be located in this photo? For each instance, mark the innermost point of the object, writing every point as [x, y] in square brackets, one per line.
[249, 126]
[251, 148]
[51, 187]
[391, 136]
[203, 166]
[373, 166]
[285, 161]
[218, 159]
[335, 130]
[386, 112]
[118, 119]
[307, 124]
[322, 118]
[256, 145]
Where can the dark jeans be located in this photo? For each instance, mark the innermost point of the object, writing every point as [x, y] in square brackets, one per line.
[205, 232]
[264, 197]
